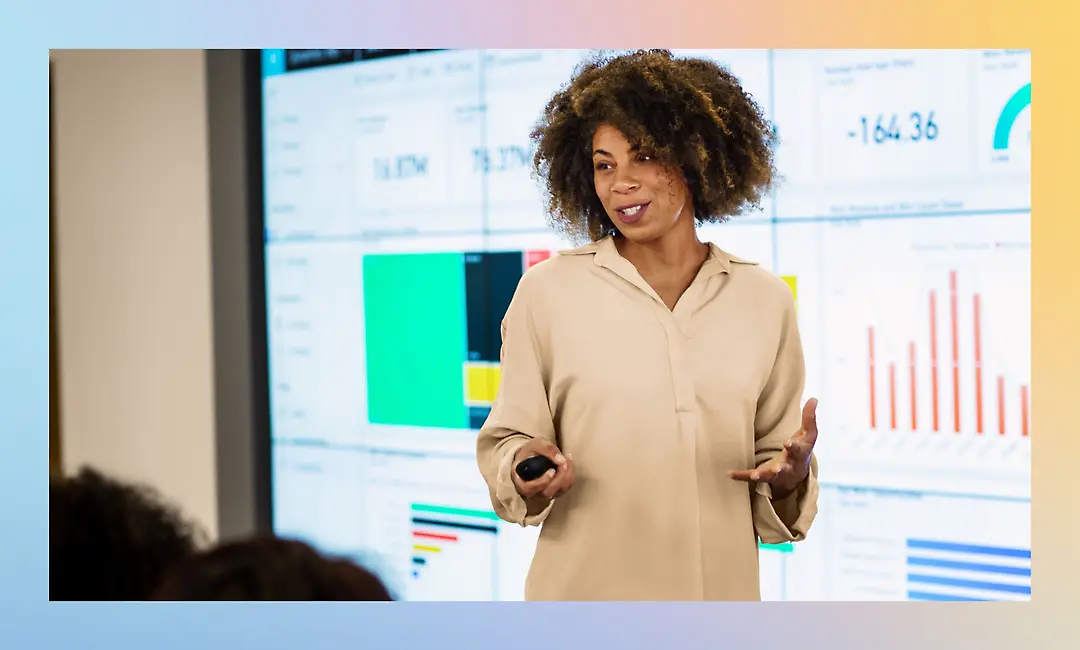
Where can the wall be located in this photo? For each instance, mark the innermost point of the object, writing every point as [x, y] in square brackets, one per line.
[133, 270]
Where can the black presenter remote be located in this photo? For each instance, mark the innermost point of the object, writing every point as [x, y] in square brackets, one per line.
[533, 468]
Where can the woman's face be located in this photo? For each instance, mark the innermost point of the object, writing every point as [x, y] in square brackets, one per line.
[641, 197]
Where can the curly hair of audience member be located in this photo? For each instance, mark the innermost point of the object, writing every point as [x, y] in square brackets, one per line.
[112, 540]
[268, 568]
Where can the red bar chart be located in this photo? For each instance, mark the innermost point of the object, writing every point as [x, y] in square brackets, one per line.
[966, 401]
[917, 336]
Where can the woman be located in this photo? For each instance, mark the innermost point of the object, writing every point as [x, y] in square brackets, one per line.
[660, 374]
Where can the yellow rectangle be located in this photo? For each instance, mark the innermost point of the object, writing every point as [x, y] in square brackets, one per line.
[481, 383]
[792, 284]
[428, 549]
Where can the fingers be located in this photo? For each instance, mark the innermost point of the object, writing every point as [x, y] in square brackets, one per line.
[535, 486]
[564, 479]
[766, 473]
[552, 483]
[798, 450]
[809, 422]
[801, 445]
[540, 447]
[549, 451]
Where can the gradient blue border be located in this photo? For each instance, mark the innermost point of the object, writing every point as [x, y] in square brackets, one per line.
[24, 331]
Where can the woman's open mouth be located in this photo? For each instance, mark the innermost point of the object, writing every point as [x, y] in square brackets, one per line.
[630, 213]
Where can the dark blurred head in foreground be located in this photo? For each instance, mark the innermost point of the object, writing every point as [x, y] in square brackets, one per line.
[110, 540]
[269, 569]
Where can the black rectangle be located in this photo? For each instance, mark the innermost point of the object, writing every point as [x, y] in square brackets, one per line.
[367, 55]
[307, 59]
[490, 282]
[455, 524]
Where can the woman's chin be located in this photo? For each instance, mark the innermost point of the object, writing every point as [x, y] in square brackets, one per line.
[639, 232]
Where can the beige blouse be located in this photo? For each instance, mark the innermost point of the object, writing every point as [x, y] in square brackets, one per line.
[655, 406]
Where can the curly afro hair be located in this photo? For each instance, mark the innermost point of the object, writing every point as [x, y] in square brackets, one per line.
[112, 541]
[691, 114]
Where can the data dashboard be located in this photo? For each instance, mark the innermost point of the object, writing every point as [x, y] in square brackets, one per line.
[400, 213]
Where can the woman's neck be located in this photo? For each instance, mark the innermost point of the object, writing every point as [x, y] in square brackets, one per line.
[675, 253]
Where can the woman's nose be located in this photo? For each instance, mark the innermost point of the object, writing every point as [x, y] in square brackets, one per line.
[625, 185]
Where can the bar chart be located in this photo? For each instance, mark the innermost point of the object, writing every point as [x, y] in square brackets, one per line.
[950, 571]
[945, 370]
[923, 342]
[895, 545]
[433, 522]
[444, 541]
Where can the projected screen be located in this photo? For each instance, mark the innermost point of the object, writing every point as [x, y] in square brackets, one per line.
[400, 214]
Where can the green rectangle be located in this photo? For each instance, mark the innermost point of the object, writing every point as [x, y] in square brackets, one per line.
[462, 512]
[785, 547]
[414, 312]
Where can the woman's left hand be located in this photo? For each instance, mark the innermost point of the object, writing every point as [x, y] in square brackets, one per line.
[789, 468]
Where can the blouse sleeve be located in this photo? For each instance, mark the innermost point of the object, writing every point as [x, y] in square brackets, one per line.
[779, 416]
[519, 413]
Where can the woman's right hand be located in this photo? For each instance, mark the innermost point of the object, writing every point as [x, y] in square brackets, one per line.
[554, 482]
